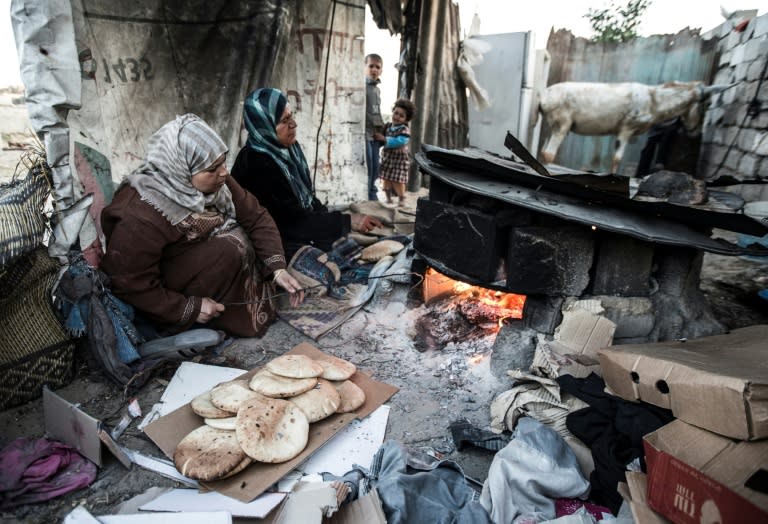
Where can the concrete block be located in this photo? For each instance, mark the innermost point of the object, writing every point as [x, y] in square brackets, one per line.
[748, 139]
[733, 159]
[754, 70]
[543, 313]
[749, 164]
[752, 50]
[474, 248]
[513, 348]
[633, 316]
[724, 75]
[622, 266]
[761, 143]
[761, 26]
[737, 55]
[563, 258]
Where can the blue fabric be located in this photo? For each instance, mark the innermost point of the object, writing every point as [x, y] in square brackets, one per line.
[393, 142]
[76, 312]
[372, 162]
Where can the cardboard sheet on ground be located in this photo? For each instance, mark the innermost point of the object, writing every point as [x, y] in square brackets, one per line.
[179, 500]
[355, 445]
[168, 431]
[80, 515]
[190, 380]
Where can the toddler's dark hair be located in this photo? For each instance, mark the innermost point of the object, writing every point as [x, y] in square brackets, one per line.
[407, 106]
[373, 56]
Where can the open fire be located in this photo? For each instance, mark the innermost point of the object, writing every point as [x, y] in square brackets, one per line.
[461, 313]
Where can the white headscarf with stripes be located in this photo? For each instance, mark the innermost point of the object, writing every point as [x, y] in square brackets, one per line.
[182, 147]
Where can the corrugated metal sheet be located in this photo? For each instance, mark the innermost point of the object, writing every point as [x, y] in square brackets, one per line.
[656, 59]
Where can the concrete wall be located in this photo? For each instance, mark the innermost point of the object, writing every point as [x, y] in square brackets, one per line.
[735, 142]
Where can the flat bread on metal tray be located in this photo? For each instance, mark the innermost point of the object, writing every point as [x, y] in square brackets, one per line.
[203, 406]
[207, 453]
[294, 366]
[352, 396]
[275, 386]
[271, 430]
[319, 402]
[335, 368]
[230, 395]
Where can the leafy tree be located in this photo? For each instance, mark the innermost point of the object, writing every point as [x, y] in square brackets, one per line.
[617, 23]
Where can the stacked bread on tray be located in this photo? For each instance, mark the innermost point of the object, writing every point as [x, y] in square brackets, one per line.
[265, 418]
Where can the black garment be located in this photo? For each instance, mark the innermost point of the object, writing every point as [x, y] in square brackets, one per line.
[259, 174]
[658, 145]
[613, 429]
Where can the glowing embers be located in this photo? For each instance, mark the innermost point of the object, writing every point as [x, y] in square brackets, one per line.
[461, 314]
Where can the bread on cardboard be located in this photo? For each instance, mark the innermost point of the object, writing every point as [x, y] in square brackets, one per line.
[230, 395]
[207, 453]
[381, 249]
[203, 406]
[271, 430]
[335, 368]
[275, 386]
[227, 424]
[319, 402]
[294, 366]
[352, 396]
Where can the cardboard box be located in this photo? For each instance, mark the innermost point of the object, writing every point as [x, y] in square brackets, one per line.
[718, 383]
[696, 476]
[168, 431]
[635, 493]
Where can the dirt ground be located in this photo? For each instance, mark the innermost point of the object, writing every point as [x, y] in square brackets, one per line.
[436, 386]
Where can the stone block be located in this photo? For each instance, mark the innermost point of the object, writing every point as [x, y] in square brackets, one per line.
[761, 143]
[549, 260]
[754, 70]
[748, 139]
[462, 239]
[513, 348]
[622, 266]
[733, 159]
[741, 71]
[724, 75]
[543, 313]
[633, 316]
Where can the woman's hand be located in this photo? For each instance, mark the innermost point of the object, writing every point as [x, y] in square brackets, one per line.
[364, 223]
[209, 309]
[286, 281]
[379, 137]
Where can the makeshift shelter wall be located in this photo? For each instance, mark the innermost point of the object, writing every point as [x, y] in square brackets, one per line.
[686, 56]
[102, 76]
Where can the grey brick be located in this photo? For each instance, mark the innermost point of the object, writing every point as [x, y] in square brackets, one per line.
[748, 164]
[761, 26]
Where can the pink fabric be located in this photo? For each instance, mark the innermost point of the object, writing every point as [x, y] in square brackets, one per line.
[565, 507]
[38, 470]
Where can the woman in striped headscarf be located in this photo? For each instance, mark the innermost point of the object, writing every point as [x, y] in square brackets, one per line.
[272, 167]
[186, 244]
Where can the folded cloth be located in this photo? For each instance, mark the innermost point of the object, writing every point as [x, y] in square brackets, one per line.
[38, 470]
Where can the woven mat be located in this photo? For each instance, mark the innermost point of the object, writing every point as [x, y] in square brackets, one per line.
[318, 315]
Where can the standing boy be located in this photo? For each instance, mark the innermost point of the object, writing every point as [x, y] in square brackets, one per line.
[374, 123]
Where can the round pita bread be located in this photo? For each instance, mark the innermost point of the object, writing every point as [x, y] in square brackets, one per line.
[230, 395]
[335, 368]
[227, 424]
[203, 406]
[207, 453]
[352, 396]
[275, 386]
[247, 461]
[294, 366]
[381, 249]
[271, 430]
[319, 402]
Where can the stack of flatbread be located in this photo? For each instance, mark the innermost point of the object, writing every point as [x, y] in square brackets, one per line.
[265, 418]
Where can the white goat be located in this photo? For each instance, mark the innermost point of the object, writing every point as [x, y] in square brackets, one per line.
[623, 109]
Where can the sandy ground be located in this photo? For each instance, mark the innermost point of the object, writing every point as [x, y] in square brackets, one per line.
[436, 386]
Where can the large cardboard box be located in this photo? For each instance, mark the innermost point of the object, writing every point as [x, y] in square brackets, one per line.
[719, 383]
[168, 431]
[696, 476]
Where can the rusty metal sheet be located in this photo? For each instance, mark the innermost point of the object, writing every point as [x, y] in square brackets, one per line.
[644, 227]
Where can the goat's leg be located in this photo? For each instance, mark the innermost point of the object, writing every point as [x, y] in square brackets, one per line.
[556, 137]
[621, 143]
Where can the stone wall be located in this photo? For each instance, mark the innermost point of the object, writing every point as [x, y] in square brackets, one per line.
[735, 139]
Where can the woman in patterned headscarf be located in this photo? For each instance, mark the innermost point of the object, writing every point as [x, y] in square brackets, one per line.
[272, 167]
[186, 244]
